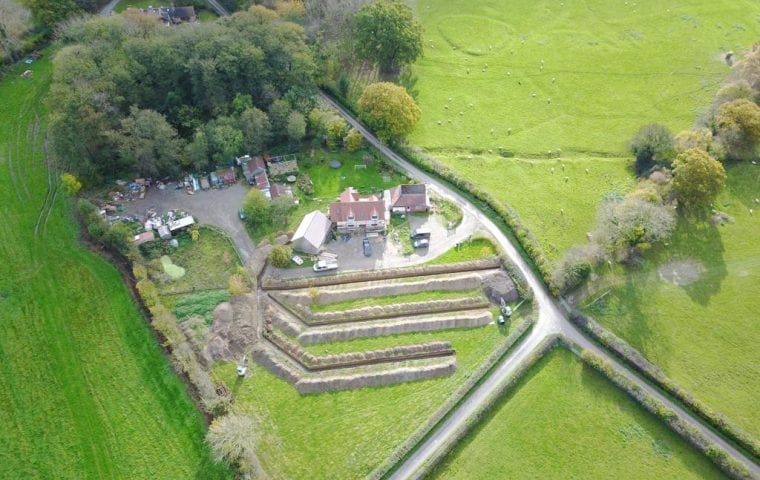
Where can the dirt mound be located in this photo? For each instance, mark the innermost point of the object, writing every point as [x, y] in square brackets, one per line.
[234, 328]
[681, 272]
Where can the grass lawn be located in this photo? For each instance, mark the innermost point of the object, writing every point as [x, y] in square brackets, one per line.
[200, 304]
[348, 434]
[85, 390]
[330, 182]
[704, 335]
[598, 70]
[125, 4]
[565, 420]
[473, 250]
[206, 15]
[394, 299]
[208, 262]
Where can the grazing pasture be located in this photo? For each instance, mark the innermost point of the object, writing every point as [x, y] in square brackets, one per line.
[85, 390]
[565, 420]
[693, 307]
[576, 79]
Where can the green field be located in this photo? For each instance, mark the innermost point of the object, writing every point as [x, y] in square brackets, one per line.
[704, 334]
[85, 390]
[608, 68]
[565, 420]
[348, 434]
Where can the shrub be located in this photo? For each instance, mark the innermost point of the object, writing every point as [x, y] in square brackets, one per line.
[652, 144]
[353, 140]
[148, 292]
[233, 438]
[280, 256]
[305, 185]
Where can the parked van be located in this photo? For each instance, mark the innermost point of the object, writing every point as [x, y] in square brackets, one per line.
[420, 233]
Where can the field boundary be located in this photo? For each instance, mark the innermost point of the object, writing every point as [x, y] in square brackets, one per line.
[506, 386]
[406, 448]
[503, 215]
[634, 359]
[730, 466]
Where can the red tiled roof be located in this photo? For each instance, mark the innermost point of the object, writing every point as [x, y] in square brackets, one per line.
[352, 204]
[255, 166]
[412, 196]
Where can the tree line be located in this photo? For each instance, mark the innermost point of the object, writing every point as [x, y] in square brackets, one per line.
[130, 95]
[681, 173]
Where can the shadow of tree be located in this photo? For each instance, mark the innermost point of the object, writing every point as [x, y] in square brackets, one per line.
[699, 240]
[743, 183]
[408, 80]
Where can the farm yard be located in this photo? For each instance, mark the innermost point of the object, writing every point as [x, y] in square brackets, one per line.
[580, 94]
[211, 268]
[85, 389]
[699, 326]
[566, 420]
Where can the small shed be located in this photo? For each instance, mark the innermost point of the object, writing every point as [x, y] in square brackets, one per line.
[311, 233]
[143, 237]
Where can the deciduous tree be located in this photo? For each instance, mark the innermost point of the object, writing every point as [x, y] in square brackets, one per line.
[149, 143]
[296, 127]
[386, 33]
[257, 209]
[698, 179]
[389, 110]
[738, 126]
[652, 144]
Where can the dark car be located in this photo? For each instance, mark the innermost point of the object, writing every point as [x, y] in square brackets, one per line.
[367, 248]
[241, 214]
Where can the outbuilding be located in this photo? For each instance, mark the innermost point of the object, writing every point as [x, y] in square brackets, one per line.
[311, 233]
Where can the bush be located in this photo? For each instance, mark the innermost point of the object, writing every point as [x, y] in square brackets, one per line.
[280, 256]
[305, 185]
[353, 140]
[652, 144]
[233, 438]
[153, 249]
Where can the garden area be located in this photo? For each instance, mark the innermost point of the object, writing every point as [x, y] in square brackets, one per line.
[565, 420]
[202, 270]
[691, 308]
[204, 12]
[362, 169]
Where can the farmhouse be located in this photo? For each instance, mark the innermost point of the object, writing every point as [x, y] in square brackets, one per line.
[352, 213]
[408, 199]
[311, 233]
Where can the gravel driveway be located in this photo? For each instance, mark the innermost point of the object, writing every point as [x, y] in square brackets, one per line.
[211, 207]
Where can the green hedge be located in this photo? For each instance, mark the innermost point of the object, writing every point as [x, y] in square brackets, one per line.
[637, 361]
[505, 387]
[406, 448]
[489, 205]
[729, 465]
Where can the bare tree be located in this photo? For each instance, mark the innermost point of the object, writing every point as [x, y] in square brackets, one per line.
[15, 21]
[232, 438]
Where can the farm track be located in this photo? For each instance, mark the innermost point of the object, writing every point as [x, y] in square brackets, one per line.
[52, 191]
[11, 173]
[19, 161]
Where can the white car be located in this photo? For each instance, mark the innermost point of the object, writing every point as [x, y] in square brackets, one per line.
[297, 260]
[421, 243]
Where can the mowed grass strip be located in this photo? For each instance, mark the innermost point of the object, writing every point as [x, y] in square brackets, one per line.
[347, 434]
[394, 299]
[565, 420]
[476, 249]
[703, 334]
[85, 390]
